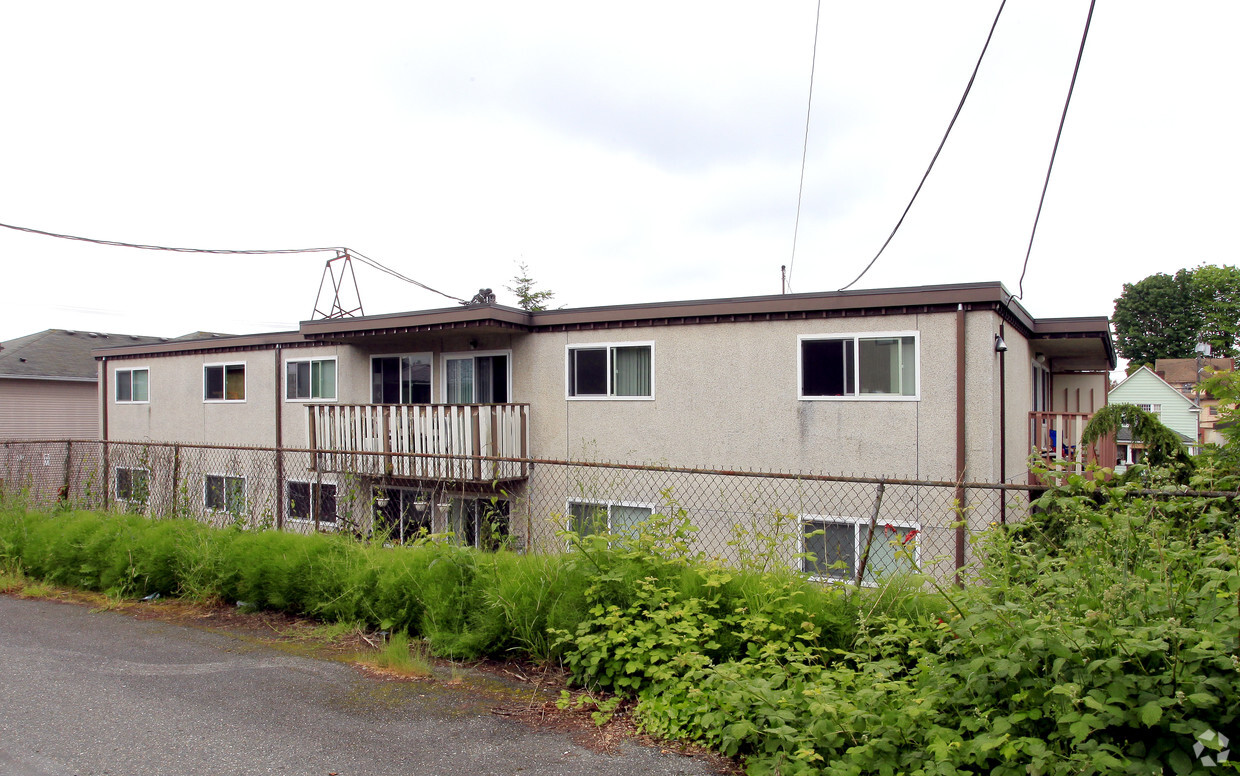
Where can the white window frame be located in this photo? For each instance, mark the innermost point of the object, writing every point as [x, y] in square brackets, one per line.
[312, 360]
[245, 493]
[116, 385]
[116, 482]
[858, 548]
[1041, 377]
[608, 504]
[470, 354]
[370, 372]
[288, 502]
[224, 365]
[609, 347]
[856, 337]
[1152, 408]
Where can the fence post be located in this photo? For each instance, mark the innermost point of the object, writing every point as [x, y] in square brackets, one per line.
[280, 490]
[107, 479]
[64, 489]
[961, 534]
[176, 478]
[869, 540]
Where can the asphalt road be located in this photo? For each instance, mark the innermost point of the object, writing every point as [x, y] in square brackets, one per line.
[104, 693]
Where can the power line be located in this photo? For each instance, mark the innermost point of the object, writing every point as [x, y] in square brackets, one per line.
[1080, 52]
[939, 150]
[247, 252]
[796, 226]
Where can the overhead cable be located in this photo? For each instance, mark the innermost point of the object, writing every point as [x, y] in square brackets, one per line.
[968, 87]
[796, 225]
[1080, 52]
[230, 251]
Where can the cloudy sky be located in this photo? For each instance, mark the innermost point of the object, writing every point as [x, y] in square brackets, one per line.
[626, 152]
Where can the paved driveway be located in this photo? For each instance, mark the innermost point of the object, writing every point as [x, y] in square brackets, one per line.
[104, 693]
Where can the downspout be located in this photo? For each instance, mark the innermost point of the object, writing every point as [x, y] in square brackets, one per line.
[1002, 429]
[961, 535]
[103, 397]
[279, 448]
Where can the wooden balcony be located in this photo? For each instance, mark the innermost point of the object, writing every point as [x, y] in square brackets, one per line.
[421, 441]
[1055, 437]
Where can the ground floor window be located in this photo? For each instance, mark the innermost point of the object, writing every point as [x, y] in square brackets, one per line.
[303, 497]
[224, 493]
[133, 485]
[405, 514]
[834, 546]
[594, 517]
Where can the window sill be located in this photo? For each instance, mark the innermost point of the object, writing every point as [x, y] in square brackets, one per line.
[610, 398]
[877, 397]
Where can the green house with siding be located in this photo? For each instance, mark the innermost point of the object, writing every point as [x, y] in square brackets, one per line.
[1155, 395]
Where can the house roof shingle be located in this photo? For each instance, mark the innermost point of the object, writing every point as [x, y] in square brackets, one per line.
[59, 354]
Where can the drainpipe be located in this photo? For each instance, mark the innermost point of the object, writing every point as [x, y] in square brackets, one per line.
[961, 535]
[1002, 430]
[279, 448]
[103, 395]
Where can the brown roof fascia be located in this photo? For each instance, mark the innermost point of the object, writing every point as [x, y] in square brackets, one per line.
[474, 316]
[876, 302]
[1098, 327]
[213, 345]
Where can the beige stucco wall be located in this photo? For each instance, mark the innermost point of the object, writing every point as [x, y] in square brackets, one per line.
[725, 395]
[1079, 391]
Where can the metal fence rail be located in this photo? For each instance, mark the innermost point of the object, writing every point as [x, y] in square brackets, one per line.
[832, 527]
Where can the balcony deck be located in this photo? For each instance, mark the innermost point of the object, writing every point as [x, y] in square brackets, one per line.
[421, 441]
[1055, 437]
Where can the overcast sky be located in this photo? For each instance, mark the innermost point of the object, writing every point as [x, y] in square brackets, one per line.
[626, 152]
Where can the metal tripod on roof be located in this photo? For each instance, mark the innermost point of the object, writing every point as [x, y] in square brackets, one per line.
[340, 270]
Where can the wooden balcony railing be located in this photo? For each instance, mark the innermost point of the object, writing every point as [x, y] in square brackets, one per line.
[435, 434]
[1055, 437]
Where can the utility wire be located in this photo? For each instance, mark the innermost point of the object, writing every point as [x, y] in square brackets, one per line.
[251, 252]
[796, 226]
[1047, 181]
[937, 151]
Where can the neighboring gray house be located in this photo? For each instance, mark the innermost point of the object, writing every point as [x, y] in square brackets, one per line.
[49, 384]
[933, 383]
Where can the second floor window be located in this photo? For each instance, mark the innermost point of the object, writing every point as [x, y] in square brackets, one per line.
[133, 385]
[882, 366]
[620, 371]
[311, 379]
[223, 382]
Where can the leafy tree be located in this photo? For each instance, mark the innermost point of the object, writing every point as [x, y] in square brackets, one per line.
[1165, 316]
[1163, 446]
[527, 297]
[1154, 318]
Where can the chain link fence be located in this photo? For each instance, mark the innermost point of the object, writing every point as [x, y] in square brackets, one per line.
[834, 528]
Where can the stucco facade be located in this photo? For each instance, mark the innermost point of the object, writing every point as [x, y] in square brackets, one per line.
[730, 384]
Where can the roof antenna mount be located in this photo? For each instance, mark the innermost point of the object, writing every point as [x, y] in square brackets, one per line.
[340, 270]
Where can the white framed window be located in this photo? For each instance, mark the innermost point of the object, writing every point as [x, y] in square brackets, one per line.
[133, 485]
[224, 493]
[881, 366]
[837, 545]
[223, 382]
[1153, 409]
[311, 379]
[400, 379]
[595, 517]
[610, 370]
[301, 501]
[482, 377]
[133, 385]
[1041, 377]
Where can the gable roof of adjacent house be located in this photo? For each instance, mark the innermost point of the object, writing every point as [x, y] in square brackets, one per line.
[1085, 341]
[1160, 383]
[59, 354]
